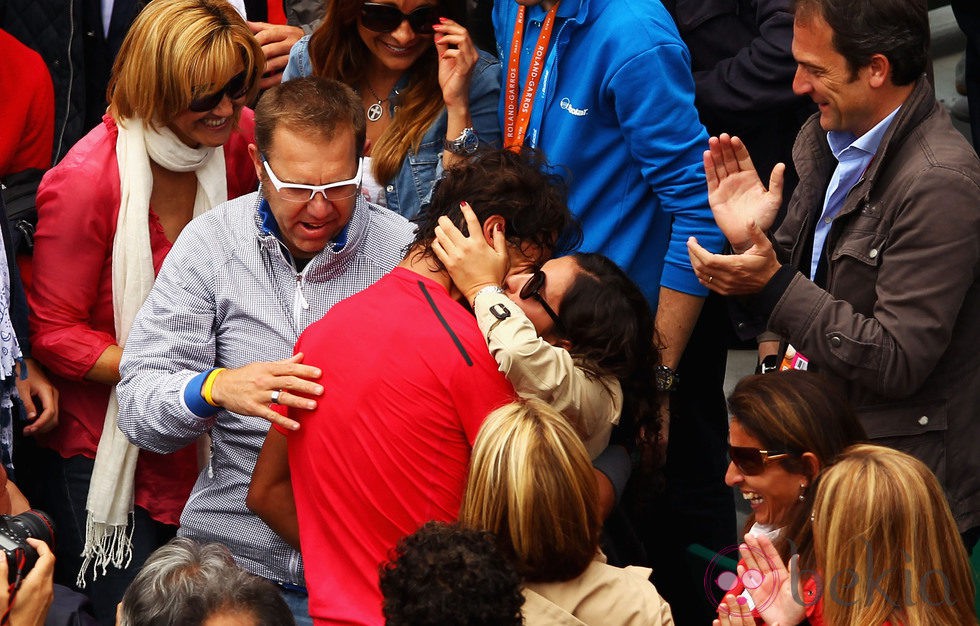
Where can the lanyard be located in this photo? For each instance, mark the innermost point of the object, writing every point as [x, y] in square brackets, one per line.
[516, 119]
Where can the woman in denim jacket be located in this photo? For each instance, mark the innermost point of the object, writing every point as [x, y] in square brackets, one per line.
[430, 95]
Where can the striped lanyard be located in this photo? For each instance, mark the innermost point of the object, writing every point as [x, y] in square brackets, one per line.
[517, 118]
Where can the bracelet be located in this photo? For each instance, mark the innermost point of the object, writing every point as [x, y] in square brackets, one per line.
[487, 289]
[209, 384]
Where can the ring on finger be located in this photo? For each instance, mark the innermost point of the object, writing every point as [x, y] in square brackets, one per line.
[276, 395]
[710, 278]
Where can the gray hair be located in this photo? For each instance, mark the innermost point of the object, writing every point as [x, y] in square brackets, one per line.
[185, 583]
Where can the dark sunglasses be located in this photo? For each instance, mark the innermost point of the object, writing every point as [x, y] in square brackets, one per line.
[752, 461]
[384, 18]
[532, 289]
[236, 88]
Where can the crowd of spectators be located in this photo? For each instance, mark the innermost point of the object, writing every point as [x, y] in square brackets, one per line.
[417, 312]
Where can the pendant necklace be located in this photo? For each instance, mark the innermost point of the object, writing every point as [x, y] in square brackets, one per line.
[375, 111]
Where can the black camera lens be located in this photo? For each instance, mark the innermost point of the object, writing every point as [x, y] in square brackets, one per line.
[14, 532]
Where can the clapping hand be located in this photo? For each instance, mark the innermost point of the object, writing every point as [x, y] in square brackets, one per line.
[735, 191]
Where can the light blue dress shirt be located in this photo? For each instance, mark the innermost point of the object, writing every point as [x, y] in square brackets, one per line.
[854, 155]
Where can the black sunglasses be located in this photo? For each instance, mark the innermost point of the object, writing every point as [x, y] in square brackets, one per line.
[532, 289]
[236, 88]
[752, 461]
[384, 18]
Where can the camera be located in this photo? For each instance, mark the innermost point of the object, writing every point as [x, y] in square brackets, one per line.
[14, 531]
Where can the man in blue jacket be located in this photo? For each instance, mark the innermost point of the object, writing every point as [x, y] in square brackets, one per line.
[604, 88]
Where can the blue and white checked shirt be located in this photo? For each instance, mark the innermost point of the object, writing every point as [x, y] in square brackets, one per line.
[228, 295]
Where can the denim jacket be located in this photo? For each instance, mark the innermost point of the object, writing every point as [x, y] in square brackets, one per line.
[412, 186]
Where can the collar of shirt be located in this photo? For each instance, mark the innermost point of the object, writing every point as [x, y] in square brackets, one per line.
[271, 226]
[846, 146]
[853, 155]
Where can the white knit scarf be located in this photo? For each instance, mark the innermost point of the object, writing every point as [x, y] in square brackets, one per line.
[108, 534]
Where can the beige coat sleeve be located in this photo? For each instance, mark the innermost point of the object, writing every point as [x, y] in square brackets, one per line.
[592, 405]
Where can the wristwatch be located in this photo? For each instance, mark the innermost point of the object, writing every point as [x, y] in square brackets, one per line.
[487, 289]
[466, 144]
[666, 378]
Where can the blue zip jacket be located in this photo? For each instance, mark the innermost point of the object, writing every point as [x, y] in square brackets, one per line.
[413, 184]
[615, 107]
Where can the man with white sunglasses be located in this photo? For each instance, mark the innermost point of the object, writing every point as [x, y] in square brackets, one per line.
[211, 350]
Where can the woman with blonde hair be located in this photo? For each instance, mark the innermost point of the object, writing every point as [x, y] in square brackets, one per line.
[172, 145]
[430, 95]
[886, 551]
[531, 484]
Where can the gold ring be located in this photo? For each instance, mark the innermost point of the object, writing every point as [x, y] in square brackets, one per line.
[710, 278]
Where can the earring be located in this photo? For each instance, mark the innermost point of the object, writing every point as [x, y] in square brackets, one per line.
[802, 492]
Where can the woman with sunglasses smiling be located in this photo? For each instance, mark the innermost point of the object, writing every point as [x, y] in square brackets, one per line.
[576, 332]
[430, 95]
[785, 428]
[173, 144]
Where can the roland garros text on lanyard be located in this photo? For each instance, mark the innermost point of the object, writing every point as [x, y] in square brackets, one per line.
[517, 119]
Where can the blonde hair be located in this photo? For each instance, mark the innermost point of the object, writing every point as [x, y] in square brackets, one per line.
[337, 51]
[177, 50]
[886, 544]
[532, 485]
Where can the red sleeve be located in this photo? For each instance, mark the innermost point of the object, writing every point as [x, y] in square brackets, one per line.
[27, 109]
[71, 294]
[38, 137]
[479, 389]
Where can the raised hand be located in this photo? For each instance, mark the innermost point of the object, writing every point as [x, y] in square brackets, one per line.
[774, 596]
[472, 263]
[735, 191]
[457, 57]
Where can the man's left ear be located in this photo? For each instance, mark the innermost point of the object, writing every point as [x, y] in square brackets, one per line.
[253, 152]
[564, 344]
[879, 70]
[492, 222]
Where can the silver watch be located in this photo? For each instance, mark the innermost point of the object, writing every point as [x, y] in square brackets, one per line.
[466, 144]
[487, 289]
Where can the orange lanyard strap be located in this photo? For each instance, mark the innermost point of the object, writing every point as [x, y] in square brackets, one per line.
[516, 118]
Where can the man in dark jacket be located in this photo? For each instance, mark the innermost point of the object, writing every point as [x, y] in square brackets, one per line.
[874, 275]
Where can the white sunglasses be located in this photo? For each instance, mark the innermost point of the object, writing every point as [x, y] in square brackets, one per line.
[332, 192]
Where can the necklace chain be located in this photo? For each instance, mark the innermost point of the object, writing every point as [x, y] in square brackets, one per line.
[375, 111]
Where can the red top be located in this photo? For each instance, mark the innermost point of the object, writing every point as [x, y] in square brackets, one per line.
[26, 108]
[388, 447]
[71, 300]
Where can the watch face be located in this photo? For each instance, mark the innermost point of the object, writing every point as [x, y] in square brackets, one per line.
[470, 141]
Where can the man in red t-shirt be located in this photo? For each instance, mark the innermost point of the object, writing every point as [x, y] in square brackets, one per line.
[408, 381]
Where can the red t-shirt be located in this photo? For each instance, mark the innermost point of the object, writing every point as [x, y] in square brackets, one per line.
[408, 381]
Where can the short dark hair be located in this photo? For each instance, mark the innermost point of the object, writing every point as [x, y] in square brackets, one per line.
[310, 105]
[610, 326]
[444, 574]
[898, 29]
[519, 186]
